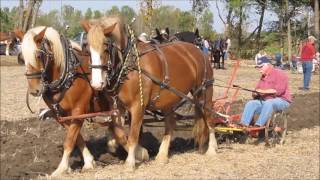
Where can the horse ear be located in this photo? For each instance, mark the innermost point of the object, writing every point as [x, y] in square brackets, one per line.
[38, 38]
[197, 32]
[85, 25]
[167, 30]
[158, 32]
[19, 34]
[109, 29]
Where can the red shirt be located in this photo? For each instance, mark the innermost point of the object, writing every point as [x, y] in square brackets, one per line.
[276, 79]
[308, 52]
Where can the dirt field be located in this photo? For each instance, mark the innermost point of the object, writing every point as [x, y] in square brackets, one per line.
[31, 148]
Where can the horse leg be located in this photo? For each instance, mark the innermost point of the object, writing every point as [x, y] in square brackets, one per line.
[72, 135]
[207, 113]
[120, 137]
[170, 123]
[222, 60]
[136, 122]
[88, 159]
[7, 48]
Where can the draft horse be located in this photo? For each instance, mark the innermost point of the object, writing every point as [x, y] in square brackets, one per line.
[143, 77]
[58, 71]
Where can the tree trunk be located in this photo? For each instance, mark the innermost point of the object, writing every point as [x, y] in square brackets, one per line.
[229, 24]
[263, 8]
[316, 22]
[240, 28]
[26, 22]
[288, 31]
[21, 10]
[35, 12]
[281, 20]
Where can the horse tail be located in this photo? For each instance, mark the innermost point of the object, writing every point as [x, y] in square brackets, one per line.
[200, 130]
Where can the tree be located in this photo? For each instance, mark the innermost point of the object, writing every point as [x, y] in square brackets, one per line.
[185, 21]
[88, 14]
[198, 7]
[35, 12]
[27, 18]
[316, 21]
[127, 13]
[21, 10]
[113, 11]
[97, 14]
[205, 24]
[262, 5]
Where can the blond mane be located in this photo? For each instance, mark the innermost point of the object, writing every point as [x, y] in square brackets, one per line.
[29, 47]
[96, 36]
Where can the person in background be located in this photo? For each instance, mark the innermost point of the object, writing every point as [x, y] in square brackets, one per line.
[228, 45]
[205, 46]
[308, 53]
[272, 94]
[278, 59]
[143, 37]
[261, 57]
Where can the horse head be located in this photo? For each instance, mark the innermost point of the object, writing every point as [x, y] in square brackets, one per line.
[41, 48]
[106, 40]
[162, 36]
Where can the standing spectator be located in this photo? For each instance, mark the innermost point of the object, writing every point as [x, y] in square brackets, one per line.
[261, 57]
[205, 46]
[278, 59]
[228, 45]
[308, 53]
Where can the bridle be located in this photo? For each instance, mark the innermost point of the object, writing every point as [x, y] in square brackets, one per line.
[115, 70]
[45, 56]
[53, 91]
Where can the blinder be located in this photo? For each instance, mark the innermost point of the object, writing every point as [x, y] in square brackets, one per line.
[111, 49]
[45, 56]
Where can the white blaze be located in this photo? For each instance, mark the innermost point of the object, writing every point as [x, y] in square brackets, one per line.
[98, 80]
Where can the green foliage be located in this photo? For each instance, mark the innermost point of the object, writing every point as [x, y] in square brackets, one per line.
[88, 14]
[127, 13]
[206, 22]
[185, 21]
[113, 11]
[97, 14]
[50, 19]
[7, 19]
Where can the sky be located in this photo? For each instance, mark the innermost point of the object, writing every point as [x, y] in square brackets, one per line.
[104, 5]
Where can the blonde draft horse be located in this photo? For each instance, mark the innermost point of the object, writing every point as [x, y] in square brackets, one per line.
[76, 99]
[187, 68]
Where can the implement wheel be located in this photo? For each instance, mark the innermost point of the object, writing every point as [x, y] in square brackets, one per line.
[276, 129]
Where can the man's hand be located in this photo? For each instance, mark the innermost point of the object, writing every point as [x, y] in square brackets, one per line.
[266, 91]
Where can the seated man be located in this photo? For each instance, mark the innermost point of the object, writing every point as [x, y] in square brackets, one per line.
[272, 94]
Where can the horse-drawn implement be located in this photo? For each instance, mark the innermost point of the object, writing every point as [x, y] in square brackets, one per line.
[130, 77]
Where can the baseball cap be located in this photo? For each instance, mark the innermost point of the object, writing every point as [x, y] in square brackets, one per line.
[312, 37]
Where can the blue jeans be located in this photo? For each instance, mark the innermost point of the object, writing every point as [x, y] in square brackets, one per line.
[307, 70]
[264, 108]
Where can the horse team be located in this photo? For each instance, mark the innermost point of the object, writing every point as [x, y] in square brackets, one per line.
[118, 71]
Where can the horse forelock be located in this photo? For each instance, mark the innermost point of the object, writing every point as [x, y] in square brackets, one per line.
[29, 47]
[96, 37]
[96, 32]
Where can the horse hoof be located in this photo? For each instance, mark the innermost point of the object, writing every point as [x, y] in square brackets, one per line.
[162, 160]
[61, 171]
[88, 166]
[142, 154]
[130, 166]
[212, 152]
